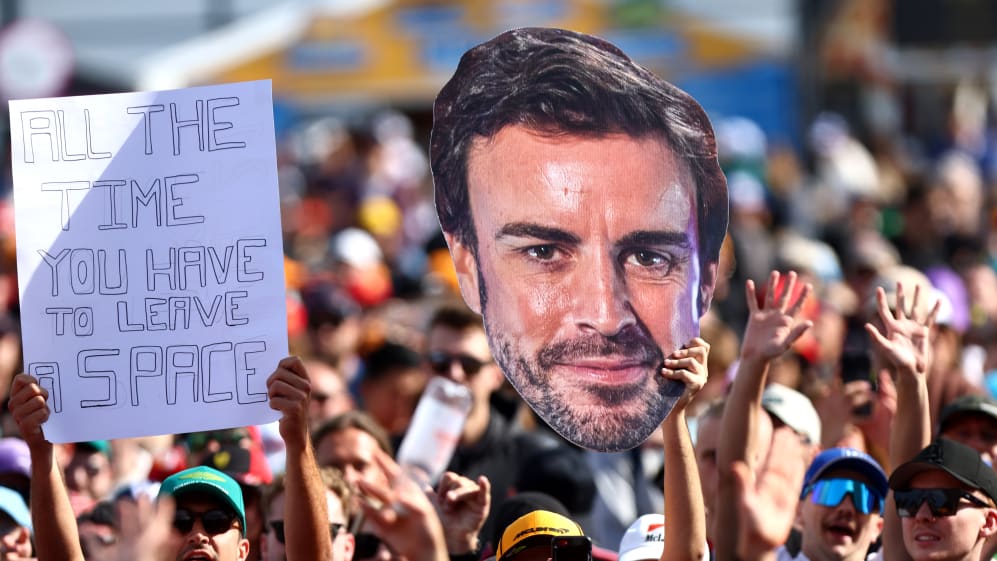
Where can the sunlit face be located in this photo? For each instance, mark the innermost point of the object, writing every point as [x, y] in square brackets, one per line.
[329, 394]
[931, 538]
[342, 542]
[587, 275]
[838, 533]
[352, 451]
[197, 543]
[474, 344]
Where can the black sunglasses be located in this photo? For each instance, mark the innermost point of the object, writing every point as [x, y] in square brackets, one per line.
[215, 521]
[440, 362]
[942, 502]
[278, 529]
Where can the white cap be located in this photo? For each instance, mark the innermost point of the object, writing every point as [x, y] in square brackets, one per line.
[644, 539]
[794, 409]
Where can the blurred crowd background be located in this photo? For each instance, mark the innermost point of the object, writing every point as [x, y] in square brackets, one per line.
[858, 137]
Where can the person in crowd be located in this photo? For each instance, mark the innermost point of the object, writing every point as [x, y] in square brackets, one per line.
[330, 394]
[841, 507]
[489, 445]
[359, 447]
[393, 379]
[972, 420]
[945, 497]
[337, 495]
[15, 527]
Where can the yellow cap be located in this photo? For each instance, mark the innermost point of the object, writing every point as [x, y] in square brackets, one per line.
[534, 528]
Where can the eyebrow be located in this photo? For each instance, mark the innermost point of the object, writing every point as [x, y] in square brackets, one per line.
[655, 238]
[532, 230]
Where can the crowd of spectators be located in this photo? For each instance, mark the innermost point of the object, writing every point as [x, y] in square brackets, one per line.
[880, 341]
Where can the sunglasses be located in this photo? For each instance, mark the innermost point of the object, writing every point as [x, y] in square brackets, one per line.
[215, 521]
[942, 502]
[365, 545]
[440, 362]
[198, 441]
[830, 493]
[278, 529]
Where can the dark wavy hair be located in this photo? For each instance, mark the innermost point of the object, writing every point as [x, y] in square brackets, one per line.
[561, 82]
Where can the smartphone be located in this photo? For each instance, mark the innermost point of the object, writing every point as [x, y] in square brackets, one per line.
[855, 365]
[571, 548]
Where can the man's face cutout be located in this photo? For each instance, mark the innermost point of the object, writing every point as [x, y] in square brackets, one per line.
[585, 263]
[587, 275]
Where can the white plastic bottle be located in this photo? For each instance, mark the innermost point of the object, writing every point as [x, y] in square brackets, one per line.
[435, 430]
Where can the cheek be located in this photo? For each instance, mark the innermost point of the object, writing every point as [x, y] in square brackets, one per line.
[669, 312]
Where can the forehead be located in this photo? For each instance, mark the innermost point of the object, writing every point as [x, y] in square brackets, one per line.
[523, 175]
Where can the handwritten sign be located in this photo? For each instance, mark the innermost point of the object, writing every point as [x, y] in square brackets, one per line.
[149, 258]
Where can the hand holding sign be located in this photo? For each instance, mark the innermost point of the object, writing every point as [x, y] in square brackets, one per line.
[149, 258]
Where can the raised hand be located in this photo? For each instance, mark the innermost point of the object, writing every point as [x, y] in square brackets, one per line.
[904, 341]
[402, 515]
[28, 405]
[775, 325]
[767, 496]
[463, 506]
[688, 365]
[289, 390]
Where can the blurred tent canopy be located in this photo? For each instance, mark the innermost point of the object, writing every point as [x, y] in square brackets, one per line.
[401, 52]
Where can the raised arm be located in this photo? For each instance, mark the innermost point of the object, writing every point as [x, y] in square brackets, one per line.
[306, 518]
[772, 328]
[56, 536]
[905, 344]
[685, 534]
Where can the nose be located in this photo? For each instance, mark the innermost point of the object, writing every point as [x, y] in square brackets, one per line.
[602, 303]
[456, 372]
[924, 512]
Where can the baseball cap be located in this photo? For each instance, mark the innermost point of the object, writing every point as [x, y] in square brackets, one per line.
[13, 505]
[533, 529]
[958, 460]
[644, 539]
[15, 456]
[850, 459]
[208, 480]
[979, 404]
[794, 409]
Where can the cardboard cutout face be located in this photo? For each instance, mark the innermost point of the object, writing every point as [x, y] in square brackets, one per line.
[582, 251]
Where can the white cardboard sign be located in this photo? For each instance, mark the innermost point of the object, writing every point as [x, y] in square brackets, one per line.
[149, 258]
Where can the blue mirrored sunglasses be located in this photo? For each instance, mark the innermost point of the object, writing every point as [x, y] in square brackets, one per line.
[830, 493]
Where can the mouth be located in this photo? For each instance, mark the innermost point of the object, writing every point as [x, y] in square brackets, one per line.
[609, 370]
[925, 538]
[841, 532]
[198, 555]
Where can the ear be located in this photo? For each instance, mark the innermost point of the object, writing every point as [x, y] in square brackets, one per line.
[989, 527]
[467, 272]
[707, 284]
[243, 549]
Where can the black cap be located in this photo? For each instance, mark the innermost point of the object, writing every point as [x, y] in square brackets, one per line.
[975, 404]
[958, 460]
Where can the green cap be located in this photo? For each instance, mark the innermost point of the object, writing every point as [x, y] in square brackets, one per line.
[210, 481]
